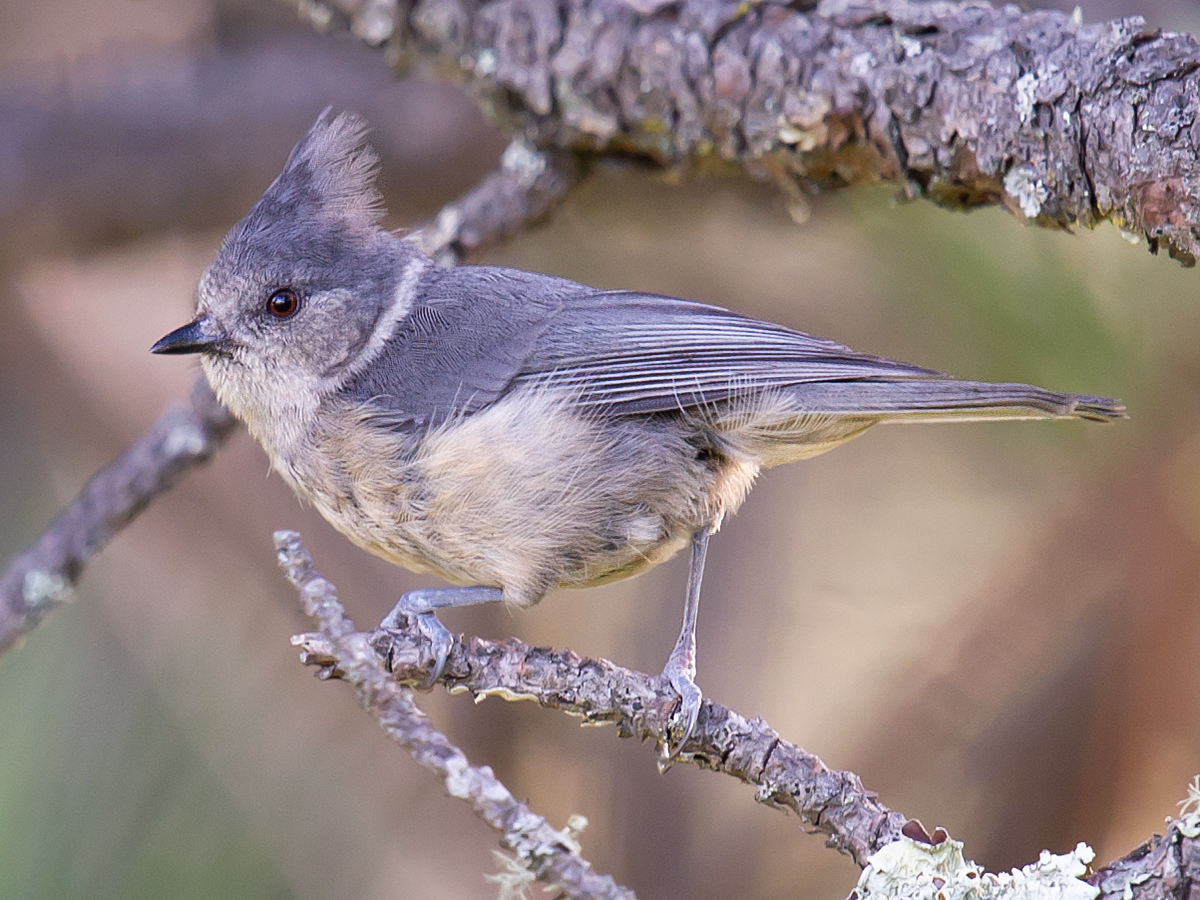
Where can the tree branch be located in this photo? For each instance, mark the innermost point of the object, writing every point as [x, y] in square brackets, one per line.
[528, 184]
[44, 576]
[551, 855]
[1065, 124]
[832, 802]
[1164, 868]
[525, 187]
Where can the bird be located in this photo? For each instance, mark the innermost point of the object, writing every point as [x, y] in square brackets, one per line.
[516, 432]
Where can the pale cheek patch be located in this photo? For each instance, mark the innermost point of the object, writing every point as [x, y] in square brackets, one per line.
[402, 301]
[277, 408]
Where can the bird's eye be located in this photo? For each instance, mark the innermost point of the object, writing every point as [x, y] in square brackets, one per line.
[283, 303]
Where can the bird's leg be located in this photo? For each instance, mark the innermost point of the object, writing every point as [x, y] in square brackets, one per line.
[680, 669]
[422, 603]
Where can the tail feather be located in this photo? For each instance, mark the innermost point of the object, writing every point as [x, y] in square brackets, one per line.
[949, 401]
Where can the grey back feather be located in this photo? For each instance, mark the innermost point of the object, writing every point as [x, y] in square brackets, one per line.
[629, 352]
[476, 332]
[461, 345]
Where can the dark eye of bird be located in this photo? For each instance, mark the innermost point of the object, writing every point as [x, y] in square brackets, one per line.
[283, 303]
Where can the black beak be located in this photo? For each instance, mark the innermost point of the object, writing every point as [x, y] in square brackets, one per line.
[201, 335]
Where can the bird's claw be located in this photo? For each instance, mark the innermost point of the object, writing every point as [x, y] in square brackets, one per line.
[685, 718]
[434, 631]
[442, 640]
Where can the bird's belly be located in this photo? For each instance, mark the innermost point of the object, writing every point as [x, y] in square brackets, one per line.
[528, 495]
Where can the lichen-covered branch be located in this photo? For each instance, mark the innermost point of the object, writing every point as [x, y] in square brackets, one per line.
[1065, 124]
[783, 775]
[44, 576]
[525, 187]
[1166, 867]
[550, 855]
[831, 802]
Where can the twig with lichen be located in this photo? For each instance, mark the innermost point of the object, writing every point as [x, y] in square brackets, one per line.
[899, 857]
[550, 855]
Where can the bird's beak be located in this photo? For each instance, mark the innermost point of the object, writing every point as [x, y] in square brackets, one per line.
[201, 335]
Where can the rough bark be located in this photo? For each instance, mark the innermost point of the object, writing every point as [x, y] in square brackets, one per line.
[834, 803]
[1166, 867]
[1063, 123]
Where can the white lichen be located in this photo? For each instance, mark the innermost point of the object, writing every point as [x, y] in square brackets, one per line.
[911, 46]
[317, 14]
[435, 240]
[1188, 823]
[485, 62]
[1191, 803]
[41, 588]
[460, 781]
[908, 870]
[185, 439]
[524, 162]
[1023, 185]
[375, 22]
[862, 64]
[517, 877]
[1026, 96]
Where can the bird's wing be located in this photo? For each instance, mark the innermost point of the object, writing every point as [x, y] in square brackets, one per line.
[477, 332]
[639, 353]
[460, 346]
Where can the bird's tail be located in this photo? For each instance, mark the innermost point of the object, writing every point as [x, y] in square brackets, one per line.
[952, 401]
[808, 419]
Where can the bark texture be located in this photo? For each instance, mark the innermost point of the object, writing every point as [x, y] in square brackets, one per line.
[832, 802]
[1063, 123]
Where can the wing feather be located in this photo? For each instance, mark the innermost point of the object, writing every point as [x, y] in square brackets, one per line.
[475, 333]
[638, 353]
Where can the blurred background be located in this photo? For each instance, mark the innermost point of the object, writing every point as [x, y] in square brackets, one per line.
[996, 626]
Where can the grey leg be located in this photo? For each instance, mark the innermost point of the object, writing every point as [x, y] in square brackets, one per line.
[680, 669]
[422, 603]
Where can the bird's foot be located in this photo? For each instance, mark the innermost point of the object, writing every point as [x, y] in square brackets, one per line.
[413, 606]
[683, 722]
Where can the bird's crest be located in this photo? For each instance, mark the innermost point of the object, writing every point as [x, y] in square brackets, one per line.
[328, 180]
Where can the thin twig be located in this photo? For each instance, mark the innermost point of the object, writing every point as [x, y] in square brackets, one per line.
[44, 576]
[525, 187]
[832, 802]
[551, 855]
